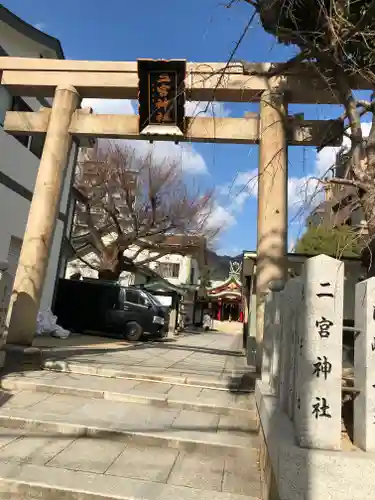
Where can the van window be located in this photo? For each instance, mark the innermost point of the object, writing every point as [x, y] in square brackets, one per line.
[144, 300]
[132, 296]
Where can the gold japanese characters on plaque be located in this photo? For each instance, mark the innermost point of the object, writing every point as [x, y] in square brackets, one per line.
[161, 96]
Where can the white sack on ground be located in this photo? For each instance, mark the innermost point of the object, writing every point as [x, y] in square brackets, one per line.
[46, 323]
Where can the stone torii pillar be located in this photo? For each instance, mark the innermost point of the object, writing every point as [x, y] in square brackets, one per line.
[33, 262]
[272, 205]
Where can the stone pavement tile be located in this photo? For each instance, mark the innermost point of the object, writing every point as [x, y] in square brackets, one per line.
[101, 411]
[237, 423]
[182, 393]
[174, 354]
[140, 368]
[59, 404]
[196, 420]
[146, 418]
[159, 361]
[24, 399]
[147, 463]
[152, 387]
[196, 373]
[6, 395]
[222, 398]
[33, 449]
[245, 400]
[40, 480]
[34, 374]
[89, 454]
[171, 372]
[198, 470]
[242, 475]
[9, 435]
[208, 370]
[96, 383]
[154, 367]
[121, 416]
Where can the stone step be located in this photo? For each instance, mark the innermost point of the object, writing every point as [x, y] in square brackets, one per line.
[234, 380]
[189, 440]
[47, 482]
[153, 393]
[168, 427]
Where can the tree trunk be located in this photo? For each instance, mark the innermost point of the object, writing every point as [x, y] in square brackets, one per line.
[108, 275]
[111, 264]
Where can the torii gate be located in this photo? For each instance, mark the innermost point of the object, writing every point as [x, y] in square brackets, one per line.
[70, 81]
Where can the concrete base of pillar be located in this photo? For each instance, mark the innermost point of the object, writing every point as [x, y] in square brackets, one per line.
[291, 473]
[172, 322]
[16, 357]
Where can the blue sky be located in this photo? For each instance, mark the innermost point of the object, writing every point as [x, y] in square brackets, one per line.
[198, 30]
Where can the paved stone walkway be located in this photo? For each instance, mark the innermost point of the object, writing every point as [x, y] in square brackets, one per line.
[212, 356]
[115, 432]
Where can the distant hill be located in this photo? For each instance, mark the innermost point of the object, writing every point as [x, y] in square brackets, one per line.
[219, 265]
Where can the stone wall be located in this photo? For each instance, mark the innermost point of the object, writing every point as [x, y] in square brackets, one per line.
[304, 453]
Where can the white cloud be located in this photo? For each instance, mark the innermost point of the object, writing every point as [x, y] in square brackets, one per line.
[247, 181]
[110, 106]
[325, 159]
[128, 107]
[236, 194]
[201, 108]
[239, 201]
[40, 26]
[303, 192]
[221, 217]
[229, 251]
[191, 161]
[245, 185]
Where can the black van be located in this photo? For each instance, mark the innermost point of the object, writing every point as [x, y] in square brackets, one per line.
[106, 307]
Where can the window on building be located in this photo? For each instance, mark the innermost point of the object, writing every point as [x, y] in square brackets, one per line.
[9, 103]
[168, 269]
[5, 103]
[18, 104]
[37, 145]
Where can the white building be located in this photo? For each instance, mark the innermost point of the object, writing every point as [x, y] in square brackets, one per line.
[181, 271]
[178, 269]
[19, 161]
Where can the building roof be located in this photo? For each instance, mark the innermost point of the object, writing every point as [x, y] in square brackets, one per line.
[31, 32]
[231, 287]
[163, 285]
[296, 257]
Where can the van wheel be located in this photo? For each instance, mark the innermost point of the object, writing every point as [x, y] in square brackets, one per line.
[133, 331]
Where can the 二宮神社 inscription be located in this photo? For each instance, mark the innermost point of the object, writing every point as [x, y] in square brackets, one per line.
[320, 354]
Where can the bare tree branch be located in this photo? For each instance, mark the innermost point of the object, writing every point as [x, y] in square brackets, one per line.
[126, 201]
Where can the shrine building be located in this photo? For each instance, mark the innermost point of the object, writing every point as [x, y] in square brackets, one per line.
[224, 298]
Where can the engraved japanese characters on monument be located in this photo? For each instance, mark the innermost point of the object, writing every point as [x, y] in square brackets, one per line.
[320, 360]
[161, 97]
[364, 365]
[291, 306]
